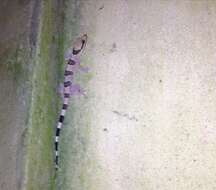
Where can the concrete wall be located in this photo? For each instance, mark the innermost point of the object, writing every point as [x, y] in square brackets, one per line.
[149, 119]
[14, 96]
[28, 98]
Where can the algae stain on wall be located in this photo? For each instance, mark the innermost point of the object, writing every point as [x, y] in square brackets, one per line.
[29, 76]
[15, 90]
[44, 104]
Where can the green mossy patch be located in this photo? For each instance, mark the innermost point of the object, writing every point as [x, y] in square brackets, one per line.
[43, 112]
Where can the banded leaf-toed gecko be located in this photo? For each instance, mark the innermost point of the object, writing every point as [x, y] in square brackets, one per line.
[69, 89]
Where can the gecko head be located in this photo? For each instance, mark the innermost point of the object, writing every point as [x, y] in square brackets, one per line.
[79, 44]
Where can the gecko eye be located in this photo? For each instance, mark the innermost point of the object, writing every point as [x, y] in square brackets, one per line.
[75, 52]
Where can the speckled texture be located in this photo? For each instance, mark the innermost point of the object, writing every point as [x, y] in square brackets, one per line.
[149, 120]
[14, 93]
[28, 98]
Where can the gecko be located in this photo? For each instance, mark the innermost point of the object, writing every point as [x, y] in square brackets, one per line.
[69, 89]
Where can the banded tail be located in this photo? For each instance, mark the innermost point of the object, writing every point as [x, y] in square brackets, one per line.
[69, 88]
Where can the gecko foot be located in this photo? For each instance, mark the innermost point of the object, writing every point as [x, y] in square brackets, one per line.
[75, 89]
[61, 90]
[84, 69]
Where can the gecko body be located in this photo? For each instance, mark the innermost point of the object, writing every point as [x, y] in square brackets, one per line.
[69, 89]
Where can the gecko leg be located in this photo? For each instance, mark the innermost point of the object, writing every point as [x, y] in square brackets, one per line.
[61, 90]
[84, 69]
[75, 89]
[68, 55]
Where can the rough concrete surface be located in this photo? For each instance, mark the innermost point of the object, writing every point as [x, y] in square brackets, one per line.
[14, 24]
[148, 121]
[150, 114]
[20, 144]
